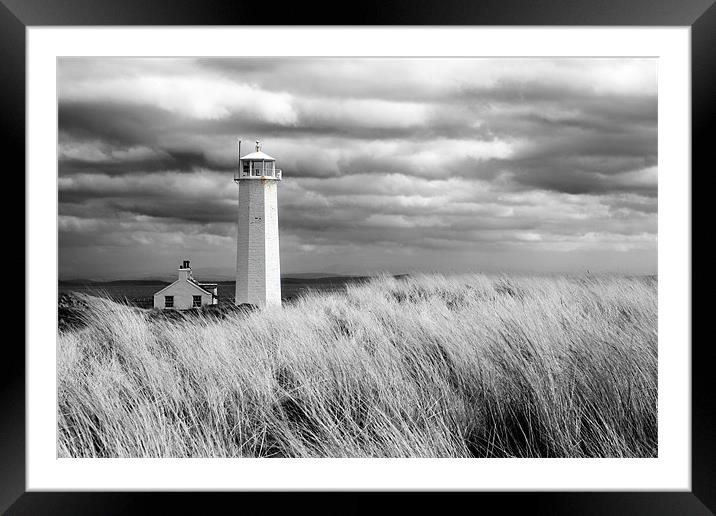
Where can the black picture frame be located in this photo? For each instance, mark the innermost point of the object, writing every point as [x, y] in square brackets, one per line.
[17, 15]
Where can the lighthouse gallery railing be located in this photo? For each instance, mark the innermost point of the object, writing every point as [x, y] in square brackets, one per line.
[274, 173]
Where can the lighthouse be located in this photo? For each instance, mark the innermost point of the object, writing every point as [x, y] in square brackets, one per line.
[258, 267]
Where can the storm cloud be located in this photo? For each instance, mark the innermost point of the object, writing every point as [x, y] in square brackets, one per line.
[389, 164]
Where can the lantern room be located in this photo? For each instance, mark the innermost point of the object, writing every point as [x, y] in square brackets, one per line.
[257, 165]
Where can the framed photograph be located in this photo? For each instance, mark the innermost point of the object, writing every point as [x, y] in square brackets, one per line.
[442, 249]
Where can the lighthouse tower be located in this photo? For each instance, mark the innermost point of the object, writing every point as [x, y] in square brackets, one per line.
[258, 268]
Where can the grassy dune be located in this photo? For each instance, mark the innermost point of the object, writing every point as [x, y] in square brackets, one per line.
[429, 366]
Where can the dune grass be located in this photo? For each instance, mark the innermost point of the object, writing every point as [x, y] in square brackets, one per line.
[425, 366]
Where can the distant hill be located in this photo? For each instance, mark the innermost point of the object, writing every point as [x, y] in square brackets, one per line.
[92, 283]
[321, 279]
[291, 278]
[317, 275]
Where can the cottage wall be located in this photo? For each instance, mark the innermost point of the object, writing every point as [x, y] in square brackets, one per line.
[183, 292]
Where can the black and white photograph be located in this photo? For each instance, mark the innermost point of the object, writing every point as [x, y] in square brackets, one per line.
[347, 257]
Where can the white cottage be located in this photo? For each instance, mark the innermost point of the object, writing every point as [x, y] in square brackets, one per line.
[186, 292]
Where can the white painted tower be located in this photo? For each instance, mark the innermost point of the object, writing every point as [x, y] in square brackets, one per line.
[258, 268]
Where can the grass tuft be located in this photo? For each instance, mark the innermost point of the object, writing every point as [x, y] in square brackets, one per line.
[424, 366]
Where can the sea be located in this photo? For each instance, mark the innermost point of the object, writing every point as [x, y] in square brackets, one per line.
[141, 292]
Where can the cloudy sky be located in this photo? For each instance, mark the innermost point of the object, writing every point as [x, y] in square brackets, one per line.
[389, 164]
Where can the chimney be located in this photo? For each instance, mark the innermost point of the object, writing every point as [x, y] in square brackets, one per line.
[185, 270]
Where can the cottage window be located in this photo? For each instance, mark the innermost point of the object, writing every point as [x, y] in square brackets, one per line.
[168, 301]
[196, 301]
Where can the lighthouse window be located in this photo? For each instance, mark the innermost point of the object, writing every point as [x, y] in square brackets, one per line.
[258, 168]
[246, 168]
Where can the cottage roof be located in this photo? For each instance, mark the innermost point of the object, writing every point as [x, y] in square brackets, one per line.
[191, 282]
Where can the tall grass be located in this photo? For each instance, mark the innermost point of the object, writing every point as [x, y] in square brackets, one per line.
[426, 366]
